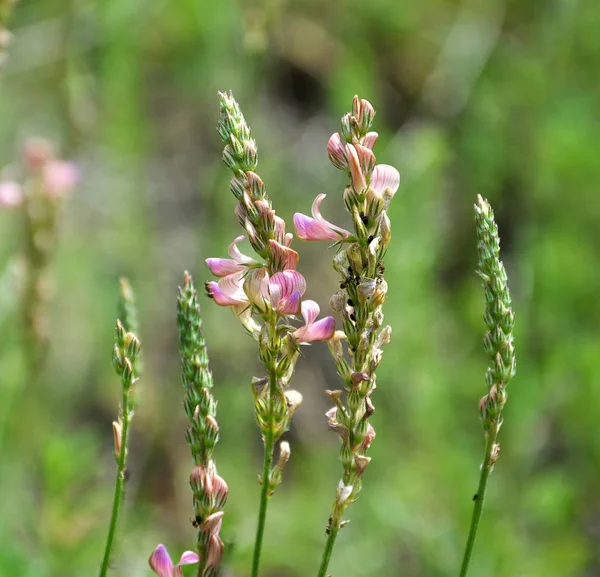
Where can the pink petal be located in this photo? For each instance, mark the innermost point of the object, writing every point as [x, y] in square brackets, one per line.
[366, 158]
[358, 178]
[279, 229]
[309, 229]
[283, 284]
[228, 291]
[284, 258]
[310, 311]
[336, 150]
[160, 562]
[317, 228]
[370, 139]
[236, 255]
[188, 558]
[59, 177]
[290, 305]
[10, 194]
[223, 266]
[320, 331]
[385, 176]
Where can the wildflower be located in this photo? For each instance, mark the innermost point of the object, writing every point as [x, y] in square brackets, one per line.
[317, 228]
[160, 562]
[285, 292]
[312, 331]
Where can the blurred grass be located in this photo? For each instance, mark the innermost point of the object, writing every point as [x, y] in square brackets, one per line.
[497, 98]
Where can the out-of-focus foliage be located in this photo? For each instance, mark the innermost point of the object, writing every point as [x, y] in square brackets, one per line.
[496, 98]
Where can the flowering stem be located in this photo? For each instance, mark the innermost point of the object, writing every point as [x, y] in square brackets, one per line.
[333, 533]
[119, 484]
[486, 468]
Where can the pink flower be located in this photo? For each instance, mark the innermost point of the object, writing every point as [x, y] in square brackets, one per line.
[161, 563]
[285, 291]
[385, 177]
[314, 331]
[228, 291]
[10, 194]
[317, 228]
[59, 177]
[225, 266]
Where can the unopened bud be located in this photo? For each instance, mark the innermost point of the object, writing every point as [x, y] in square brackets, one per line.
[117, 432]
[214, 553]
[132, 345]
[293, 399]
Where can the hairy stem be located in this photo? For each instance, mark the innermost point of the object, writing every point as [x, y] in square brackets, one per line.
[119, 487]
[479, 498]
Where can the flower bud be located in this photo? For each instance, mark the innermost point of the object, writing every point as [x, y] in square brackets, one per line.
[293, 400]
[117, 432]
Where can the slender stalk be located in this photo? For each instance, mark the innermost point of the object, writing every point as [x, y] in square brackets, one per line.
[333, 533]
[268, 460]
[486, 468]
[264, 500]
[119, 487]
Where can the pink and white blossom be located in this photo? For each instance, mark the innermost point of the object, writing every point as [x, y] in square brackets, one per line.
[228, 291]
[313, 330]
[285, 292]
[317, 227]
[160, 562]
[284, 258]
[385, 177]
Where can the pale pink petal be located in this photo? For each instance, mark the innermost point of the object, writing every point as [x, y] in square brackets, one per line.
[385, 176]
[279, 225]
[370, 139]
[322, 330]
[310, 311]
[290, 305]
[358, 178]
[366, 158]
[308, 228]
[228, 291]
[284, 258]
[59, 177]
[236, 255]
[160, 562]
[317, 228]
[316, 212]
[223, 266]
[336, 150]
[282, 285]
[188, 558]
[10, 194]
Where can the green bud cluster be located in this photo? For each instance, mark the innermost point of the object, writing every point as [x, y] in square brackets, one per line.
[499, 318]
[199, 404]
[208, 488]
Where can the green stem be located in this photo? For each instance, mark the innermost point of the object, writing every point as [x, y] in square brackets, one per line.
[479, 499]
[333, 533]
[268, 459]
[264, 500]
[119, 486]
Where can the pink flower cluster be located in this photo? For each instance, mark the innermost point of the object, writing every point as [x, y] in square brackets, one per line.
[245, 284]
[359, 161]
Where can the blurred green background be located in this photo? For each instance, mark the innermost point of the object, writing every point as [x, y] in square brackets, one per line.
[498, 98]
